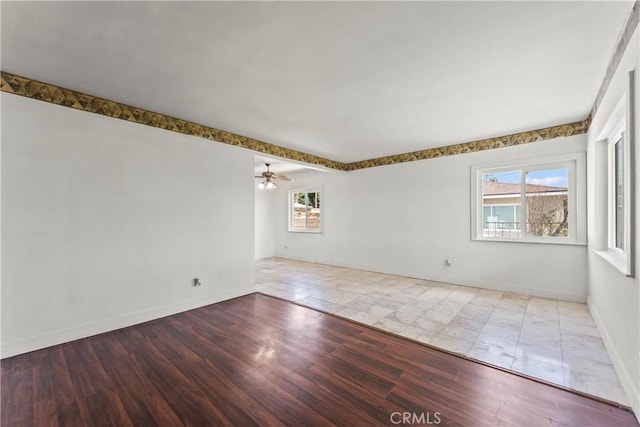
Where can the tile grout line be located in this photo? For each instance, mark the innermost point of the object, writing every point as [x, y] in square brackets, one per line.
[564, 377]
[483, 326]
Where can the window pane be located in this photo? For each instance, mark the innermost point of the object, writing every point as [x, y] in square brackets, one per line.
[298, 212]
[501, 201]
[486, 213]
[505, 216]
[547, 193]
[313, 211]
[304, 211]
[619, 193]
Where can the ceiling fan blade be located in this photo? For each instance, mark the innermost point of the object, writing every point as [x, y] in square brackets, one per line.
[282, 177]
[258, 176]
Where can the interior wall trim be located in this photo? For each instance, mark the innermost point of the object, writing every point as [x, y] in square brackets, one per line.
[23, 86]
[624, 38]
[543, 134]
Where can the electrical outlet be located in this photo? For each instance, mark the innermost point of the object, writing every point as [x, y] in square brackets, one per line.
[448, 262]
[196, 282]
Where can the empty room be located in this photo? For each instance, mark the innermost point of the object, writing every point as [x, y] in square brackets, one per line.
[319, 213]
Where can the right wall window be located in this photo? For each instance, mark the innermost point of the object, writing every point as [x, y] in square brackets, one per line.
[615, 200]
[616, 191]
[618, 210]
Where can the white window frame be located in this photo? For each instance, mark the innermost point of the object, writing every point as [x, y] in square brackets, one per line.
[619, 137]
[291, 210]
[576, 198]
[620, 126]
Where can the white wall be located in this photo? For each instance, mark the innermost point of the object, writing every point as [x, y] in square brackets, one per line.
[264, 223]
[408, 218]
[106, 222]
[614, 300]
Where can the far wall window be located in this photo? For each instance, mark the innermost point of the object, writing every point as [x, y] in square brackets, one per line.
[304, 211]
[534, 202]
[523, 202]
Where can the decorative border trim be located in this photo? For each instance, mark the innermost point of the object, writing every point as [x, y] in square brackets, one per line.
[543, 134]
[34, 89]
[621, 46]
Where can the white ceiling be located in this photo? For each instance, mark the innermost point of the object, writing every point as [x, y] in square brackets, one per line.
[346, 81]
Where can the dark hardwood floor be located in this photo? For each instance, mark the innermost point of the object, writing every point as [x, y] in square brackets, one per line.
[257, 360]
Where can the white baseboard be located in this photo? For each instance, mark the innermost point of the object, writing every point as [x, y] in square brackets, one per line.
[541, 293]
[86, 330]
[536, 292]
[623, 373]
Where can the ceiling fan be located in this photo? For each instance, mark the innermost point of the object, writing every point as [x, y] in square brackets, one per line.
[268, 177]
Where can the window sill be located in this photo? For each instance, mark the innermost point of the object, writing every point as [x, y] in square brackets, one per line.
[305, 231]
[534, 241]
[617, 260]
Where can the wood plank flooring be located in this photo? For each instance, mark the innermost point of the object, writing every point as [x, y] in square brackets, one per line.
[258, 360]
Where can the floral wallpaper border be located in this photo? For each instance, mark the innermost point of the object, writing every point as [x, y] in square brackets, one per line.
[23, 86]
[34, 89]
[624, 38]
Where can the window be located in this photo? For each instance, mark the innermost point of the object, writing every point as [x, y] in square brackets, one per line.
[304, 211]
[536, 202]
[613, 195]
[617, 199]
[616, 246]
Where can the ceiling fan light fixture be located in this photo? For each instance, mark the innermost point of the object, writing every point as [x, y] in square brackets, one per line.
[270, 185]
[268, 177]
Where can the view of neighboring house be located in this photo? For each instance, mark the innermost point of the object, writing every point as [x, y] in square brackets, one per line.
[546, 209]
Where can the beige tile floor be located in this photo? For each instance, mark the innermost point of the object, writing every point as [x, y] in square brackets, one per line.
[556, 341]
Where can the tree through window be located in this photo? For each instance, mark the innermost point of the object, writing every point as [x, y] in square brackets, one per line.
[304, 210]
